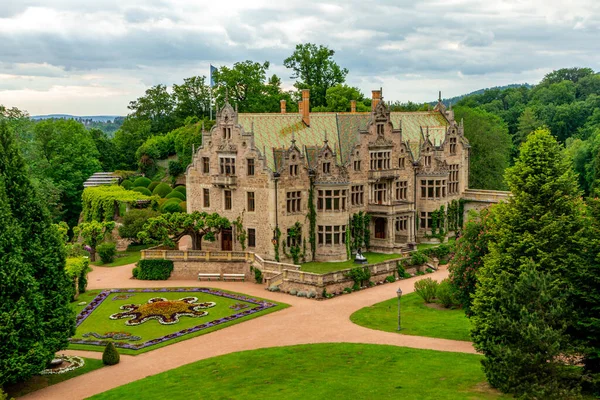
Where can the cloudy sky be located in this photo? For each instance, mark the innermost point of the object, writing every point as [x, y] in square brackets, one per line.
[88, 57]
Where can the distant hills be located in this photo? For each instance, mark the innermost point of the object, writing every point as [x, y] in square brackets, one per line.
[93, 118]
[456, 99]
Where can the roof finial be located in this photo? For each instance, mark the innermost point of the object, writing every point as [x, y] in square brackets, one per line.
[440, 96]
[252, 126]
[293, 138]
[226, 94]
[326, 141]
[427, 132]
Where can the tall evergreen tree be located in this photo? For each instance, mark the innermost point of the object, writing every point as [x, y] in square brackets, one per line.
[36, 318]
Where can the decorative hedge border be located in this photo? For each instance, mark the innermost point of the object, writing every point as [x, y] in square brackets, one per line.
[95, 303]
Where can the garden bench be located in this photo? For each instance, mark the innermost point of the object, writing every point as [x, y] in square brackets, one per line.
[234, 277]
[209, 276]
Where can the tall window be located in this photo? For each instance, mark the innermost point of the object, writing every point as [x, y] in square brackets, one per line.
[379, 193]
[326, 167]
[379, 129]
[227, 133]
[380, 160]
[293, 169]
[227, 165]
[427, 161]
[426, 220]
[453, 145]
[331, 235]
[402, 223]
[433, 188]
[205, 165]
[453, 179]
[402, 162]
[401, 190]
[206, 196]
[227, 205]
[251, 237]
[357, 165]
[331, 200]
[293, 200]
[357, 195]
[250, 201]
[250, 169]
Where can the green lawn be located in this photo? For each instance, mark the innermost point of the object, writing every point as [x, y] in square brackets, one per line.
[129, 256]
[325, 267]
[99, 322]
[319, 371]
[417, 319]
[41, 381]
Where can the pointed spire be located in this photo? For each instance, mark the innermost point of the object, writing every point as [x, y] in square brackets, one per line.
[427, 136]
[326, 141]
[440, 96]
[293, 138]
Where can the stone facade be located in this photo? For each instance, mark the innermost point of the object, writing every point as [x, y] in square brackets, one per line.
[398, 167]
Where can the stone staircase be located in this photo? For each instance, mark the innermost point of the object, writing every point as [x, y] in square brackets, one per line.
[101, 178]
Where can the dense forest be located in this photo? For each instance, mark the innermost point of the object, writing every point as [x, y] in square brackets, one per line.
[163, 125]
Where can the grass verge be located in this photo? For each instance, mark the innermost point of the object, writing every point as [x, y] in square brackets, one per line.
[325, 267]
[129, 256]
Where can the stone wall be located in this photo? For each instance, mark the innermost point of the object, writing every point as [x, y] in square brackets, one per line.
[190, 269]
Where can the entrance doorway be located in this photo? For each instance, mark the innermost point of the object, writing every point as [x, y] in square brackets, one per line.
[380, 227]
[226, 240]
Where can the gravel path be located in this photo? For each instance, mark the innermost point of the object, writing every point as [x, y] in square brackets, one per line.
[307, 321]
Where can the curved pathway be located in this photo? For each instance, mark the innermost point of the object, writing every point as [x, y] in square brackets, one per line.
[307, 321]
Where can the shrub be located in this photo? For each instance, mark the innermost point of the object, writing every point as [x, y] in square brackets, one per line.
[162, 190]
[127, 184]
[301, 294]
[77, 269]
[142, 190]
[171, 206]
[142, 181]
[175, 195]
[418, 258]
[360, 276]
[154, 270]
[402, 274]
[429, 270]
[107, 252]
[347, 290]
[258, 276]
[273, 288]
[181, 189]
[133, 222]
[175, 168]
[75, 250]
[135, 272]
[183, 206]
[426, 288]
[445, 294]
[293, 292]
[390, 279]
[420, 273]
[110, 356]
[324, 293]
[312, 294]
[153, 185]
[371, 284]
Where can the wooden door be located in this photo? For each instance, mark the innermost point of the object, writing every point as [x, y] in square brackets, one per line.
[226, 240]
[380, 228]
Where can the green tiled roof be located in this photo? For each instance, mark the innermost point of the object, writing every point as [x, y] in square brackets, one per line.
[273, 132]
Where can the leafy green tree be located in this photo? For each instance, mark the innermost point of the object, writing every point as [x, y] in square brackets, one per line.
[169, 228]
[134, 221]
[566, 74]
[156, 106]
[93, 233]
[133, 133]
[528, 123]
[338, 99]
[192, 99]
[35, 317]
[490, 147]
[107, 151]
[315, 69]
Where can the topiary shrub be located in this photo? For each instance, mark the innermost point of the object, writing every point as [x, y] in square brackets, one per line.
[390, 279]
[445, 294]
[181, 189]
[162, 190]
[171, 206]
[154, 270]
[142, 181]
[301, 294]
[110, 356]
[175, 195]
[107, 252]
[153, 186]
[293, 292]
[426, 288]
[312, 294]
[183, 206]
[127, 184]
[142, 190]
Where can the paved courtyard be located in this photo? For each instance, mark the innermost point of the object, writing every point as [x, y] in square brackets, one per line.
[306, 321]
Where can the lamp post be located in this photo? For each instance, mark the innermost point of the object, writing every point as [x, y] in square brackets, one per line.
[399, 293]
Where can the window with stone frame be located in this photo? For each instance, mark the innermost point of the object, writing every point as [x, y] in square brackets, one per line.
[427, 161]
[380, 160]
[206, 197]
[426, 220]
[205, 165]
[250, 167]
[402, 162]
[327, 167]
[294, 202]
[402, 223]
[357, 165]
[357, 195]
[380, 129]
[331, 200]
[379, 193]
[452, 145]
[293, 169]
[401, 190]
[227, 132]
[453, 178]
[331, 235]
[227, 199]
[227, 165]
[293, 240]
[250, 201]
[251, 237]
[433, 188]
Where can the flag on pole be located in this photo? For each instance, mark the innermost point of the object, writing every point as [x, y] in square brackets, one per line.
[212, 79]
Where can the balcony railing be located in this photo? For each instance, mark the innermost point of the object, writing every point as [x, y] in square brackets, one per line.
[225, 181]
[383, 174]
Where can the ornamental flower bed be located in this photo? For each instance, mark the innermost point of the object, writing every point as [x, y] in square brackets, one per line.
[166, 311]
[254, 306]
[71, 363]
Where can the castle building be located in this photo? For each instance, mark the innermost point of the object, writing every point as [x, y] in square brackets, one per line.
[265, 169]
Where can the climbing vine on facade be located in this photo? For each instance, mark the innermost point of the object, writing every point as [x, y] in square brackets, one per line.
[359, 229]
[312, 219]
[295, 238]
[276, 243]
[240, 232]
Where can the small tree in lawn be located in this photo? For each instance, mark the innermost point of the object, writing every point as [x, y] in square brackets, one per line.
[93, 233]
[110, 356]
[169, 228]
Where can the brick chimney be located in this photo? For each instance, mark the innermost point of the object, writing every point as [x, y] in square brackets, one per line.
[300, 104]
[306, 106]
[282, 103]
[352, 106]
[375, 98]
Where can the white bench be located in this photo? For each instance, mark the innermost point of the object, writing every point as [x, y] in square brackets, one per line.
[209, 276]
[234, 277]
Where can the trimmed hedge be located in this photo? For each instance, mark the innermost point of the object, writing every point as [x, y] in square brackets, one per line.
[142, 181]
[153, 185]
[154, 270]
[107, 252]
[171, 206]
[181, 189]
[127, 184]
[110, 356]
[162, 190]
[175, 195]
[77, 269]
[142, 190]
[183, 206]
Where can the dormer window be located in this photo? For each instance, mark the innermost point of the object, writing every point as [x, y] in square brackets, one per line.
[327, 167]
[227, 133]
[427, 161]
[453, 145]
